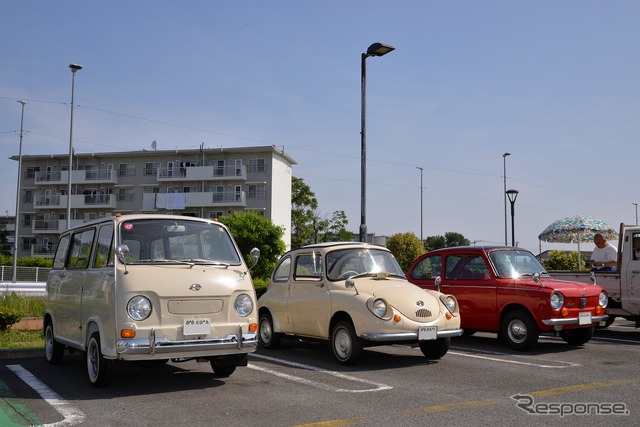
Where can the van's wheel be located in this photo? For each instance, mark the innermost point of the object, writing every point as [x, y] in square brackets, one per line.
[222, 371]
[97, 365]
[435, 349]
[519, 330]
[53, 350]
[346, 345]
[266, 336]
[577, 336]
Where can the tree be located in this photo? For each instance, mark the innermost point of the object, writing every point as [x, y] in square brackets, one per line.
[406, 247]
[449, 240]
[307, 223]
[252, 230]
[562, 260]
[5, 247]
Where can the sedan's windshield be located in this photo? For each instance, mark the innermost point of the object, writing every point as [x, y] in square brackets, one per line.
[516, 263]
[345, 263]
[177, 241]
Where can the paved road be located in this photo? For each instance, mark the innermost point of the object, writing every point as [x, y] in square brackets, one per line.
[479, 382]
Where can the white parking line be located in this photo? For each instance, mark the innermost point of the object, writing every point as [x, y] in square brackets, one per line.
[558, 363]
[71, 415]
[377, 386]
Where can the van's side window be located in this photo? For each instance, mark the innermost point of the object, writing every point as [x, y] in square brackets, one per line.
[61, 253]
[80, 250]
[104, 249]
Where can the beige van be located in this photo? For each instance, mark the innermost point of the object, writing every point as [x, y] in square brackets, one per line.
[150, 288]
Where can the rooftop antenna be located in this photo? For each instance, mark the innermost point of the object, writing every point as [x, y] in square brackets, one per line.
[154, 144]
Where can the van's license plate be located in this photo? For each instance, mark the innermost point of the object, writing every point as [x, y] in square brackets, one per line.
[427, 333]
[196, 326]
[584, 318]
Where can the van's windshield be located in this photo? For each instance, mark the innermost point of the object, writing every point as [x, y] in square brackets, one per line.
[177, 241]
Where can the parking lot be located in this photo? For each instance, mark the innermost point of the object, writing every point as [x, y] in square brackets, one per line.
[480, 381]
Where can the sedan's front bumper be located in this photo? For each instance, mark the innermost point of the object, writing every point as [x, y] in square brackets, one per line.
[409, 336]
[573, 321]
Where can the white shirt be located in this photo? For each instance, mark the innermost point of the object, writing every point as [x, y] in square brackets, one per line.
[606, 254]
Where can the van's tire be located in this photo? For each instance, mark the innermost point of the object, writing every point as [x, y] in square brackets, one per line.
[346, 345]
[222, 371]
[53, 350]
[97, 365]
[435, 349]
[266, 335]
[519, 331]
[577, 336]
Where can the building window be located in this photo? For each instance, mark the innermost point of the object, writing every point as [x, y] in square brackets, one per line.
[215, 214]
[27, 220]
[257, 165]
[257, 191]
[27, 243]
[28, 196]
[151, 168]
[31, 171]
[126, 169]
[125, 194]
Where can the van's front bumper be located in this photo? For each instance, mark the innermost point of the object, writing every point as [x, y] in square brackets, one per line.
[231, 344]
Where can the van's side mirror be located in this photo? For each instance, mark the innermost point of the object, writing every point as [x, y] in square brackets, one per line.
[121, 252]
[255, 254]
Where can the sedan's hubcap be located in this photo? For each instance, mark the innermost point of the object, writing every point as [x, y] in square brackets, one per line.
[342, 343]
[517, 331]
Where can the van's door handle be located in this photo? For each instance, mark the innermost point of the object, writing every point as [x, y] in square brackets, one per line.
[635, 271]
[320, 285]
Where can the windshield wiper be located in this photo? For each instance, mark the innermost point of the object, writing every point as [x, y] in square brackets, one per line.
[202, 261]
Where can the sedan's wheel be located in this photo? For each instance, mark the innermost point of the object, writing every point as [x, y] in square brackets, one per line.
[97, 365]
[346, 345]
[519, 330]
[266, 336]
[52, 348]
[576, 336]
[222, 371]
[435, 349]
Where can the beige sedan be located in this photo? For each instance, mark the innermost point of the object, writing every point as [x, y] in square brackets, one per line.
[353, 295]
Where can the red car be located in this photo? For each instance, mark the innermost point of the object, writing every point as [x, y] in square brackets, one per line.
[506, 290]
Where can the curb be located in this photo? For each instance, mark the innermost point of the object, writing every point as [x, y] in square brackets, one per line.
[21, 353]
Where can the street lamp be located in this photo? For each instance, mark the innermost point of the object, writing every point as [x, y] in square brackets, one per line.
[15, 239]
[504, 177]
[376, 49]
[512, 194]
[74, 68]
[421, 204]
[636, 205]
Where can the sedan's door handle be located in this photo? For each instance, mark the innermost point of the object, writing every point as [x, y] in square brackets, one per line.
[635, 271]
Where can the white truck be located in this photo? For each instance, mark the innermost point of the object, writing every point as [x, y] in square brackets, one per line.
[623, 284]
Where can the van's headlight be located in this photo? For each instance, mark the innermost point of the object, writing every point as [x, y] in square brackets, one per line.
[243, 305]
[139, 307]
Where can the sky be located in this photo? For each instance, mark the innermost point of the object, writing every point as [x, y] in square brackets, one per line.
[554, 83]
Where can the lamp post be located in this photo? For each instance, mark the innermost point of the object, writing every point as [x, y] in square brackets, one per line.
[636, 205]
[74, 68]
[376, 49]
[504, 180]
[512, 194]
[421, 204]
[16, 238]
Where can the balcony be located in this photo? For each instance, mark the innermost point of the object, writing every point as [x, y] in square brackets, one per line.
[92, 200]
[202, 173]
[98, 176]
[53, 226]
[179, 201]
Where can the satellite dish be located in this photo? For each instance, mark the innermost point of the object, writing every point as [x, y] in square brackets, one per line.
[154, 144]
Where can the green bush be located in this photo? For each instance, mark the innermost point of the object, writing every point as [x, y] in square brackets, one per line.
[260, 285]
[8, 316]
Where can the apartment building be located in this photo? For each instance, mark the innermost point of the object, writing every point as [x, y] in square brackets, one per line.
[204, 182]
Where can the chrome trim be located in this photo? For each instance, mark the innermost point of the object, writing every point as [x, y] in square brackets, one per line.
[409, 336]
[572, 320]
[247, 342]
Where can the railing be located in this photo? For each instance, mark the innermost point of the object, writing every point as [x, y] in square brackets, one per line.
[23, 274]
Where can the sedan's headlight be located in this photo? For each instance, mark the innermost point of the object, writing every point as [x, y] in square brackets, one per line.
[557, 300]
[450, 302]
[603, 299]
[243, 305]
[139, 307]
[379, 308]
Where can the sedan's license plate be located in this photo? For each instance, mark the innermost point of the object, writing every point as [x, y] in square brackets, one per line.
[197, 326]
[427, 333]
[584, 318]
